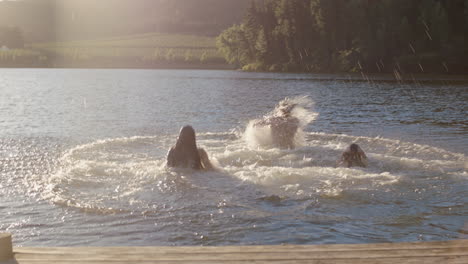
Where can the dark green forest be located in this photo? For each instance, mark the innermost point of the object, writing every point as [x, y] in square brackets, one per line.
[369, 36]
[396, 36]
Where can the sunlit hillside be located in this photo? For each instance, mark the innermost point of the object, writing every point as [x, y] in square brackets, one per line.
[144, 50]
[59, 20]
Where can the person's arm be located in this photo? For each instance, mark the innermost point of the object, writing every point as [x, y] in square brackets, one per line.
[361, 152]
[205, 161]
[343, 160]
[363, 158]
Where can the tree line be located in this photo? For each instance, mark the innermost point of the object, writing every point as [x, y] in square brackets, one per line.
[399, 36]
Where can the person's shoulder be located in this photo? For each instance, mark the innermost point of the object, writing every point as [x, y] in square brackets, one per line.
[202, 151]
[345, 154]
[172, 149]
[205, 161]
[171, 153]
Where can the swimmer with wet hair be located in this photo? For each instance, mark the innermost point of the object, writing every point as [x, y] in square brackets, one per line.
[354, 156]
[283, 125]
[185, 153]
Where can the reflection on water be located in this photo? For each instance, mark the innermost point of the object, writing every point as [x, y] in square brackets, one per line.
[83, 160]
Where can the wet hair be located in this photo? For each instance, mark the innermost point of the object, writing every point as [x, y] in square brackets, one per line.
[286, 108]
[354, 156]
[185, 152]
[354, 147]
[186, 138]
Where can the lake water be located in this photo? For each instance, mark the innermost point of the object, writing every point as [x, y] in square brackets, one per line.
[82, 156]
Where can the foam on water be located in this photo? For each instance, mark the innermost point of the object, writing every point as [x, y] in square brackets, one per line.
[129, 174]
[260, 136]
[60, 186]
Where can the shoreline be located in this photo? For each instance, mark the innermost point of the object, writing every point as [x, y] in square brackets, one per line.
[317, 76]
[216, 66]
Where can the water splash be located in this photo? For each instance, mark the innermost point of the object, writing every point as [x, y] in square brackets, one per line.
[129, 174]
[262, 136]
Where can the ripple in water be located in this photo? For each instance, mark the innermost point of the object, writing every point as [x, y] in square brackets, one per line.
[129, 174]
[406, 188]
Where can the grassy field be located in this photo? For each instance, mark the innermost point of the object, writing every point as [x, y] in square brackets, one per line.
[146, 50]
[22, 58]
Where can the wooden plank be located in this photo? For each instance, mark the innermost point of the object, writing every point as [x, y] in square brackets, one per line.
[342, 250]
[453, 244]
[235, 257]
[455, 252]
[425, 260]
[6, 247]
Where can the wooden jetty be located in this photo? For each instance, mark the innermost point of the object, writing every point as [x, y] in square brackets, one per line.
[442, 252]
